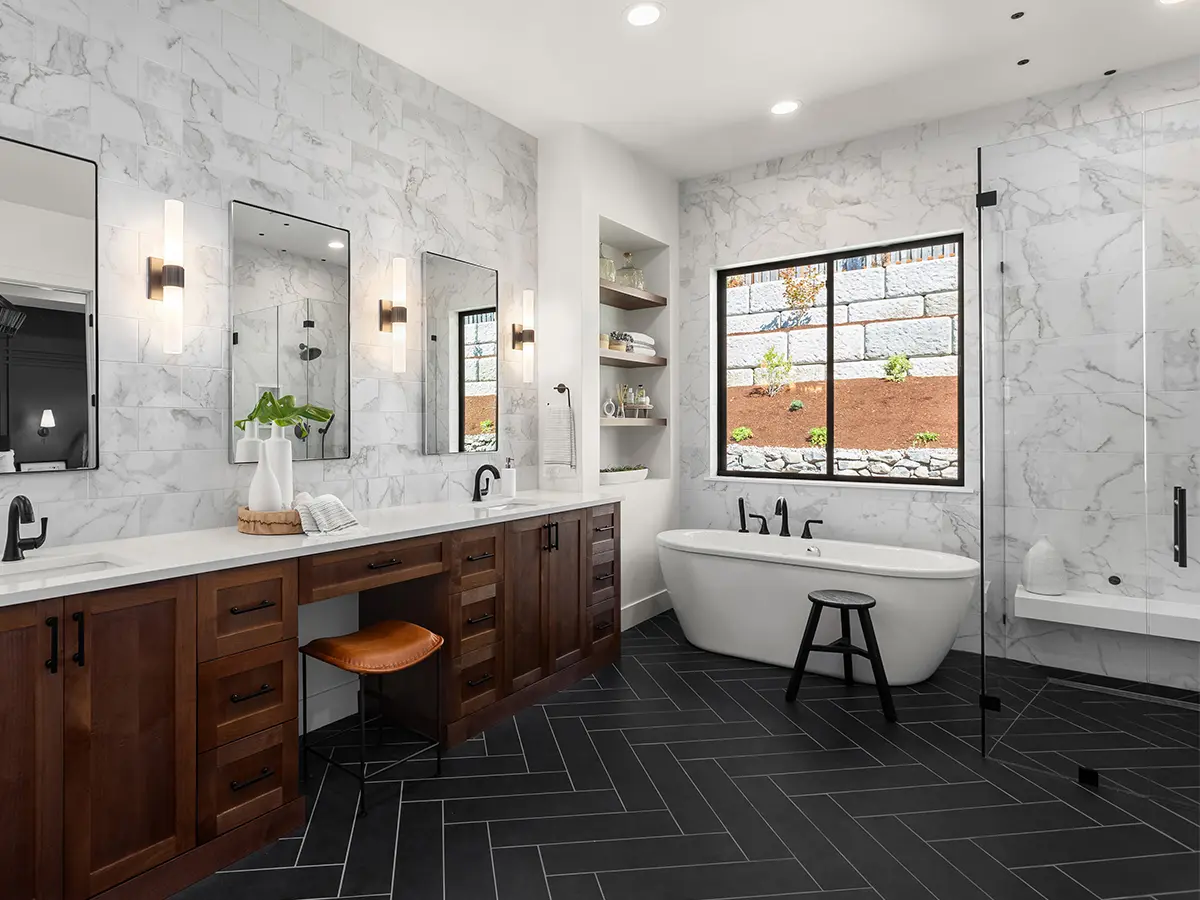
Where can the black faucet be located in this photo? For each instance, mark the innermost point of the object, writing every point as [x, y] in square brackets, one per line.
[781, 510]
[742, 516]
[807, 535]
[763, 529]
[482, 491]
[20, 512]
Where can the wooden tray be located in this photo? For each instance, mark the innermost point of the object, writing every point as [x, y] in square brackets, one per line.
[285, 522]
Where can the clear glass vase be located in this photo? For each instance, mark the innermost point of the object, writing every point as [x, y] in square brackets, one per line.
[608, 267]
[630, 275]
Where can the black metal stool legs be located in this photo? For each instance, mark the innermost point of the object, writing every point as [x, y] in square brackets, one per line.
[810, 631]
[881, 682]
[362, 745]
[847, 659]
[437, 724]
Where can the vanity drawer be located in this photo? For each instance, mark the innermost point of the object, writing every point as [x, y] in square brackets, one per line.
[476, 681]
[478, 557]
[243, 780]
[606, 530]
[604, 582]
[477, 619]
[349, 571]
[240, 609]
[240, 694]
[602, 624]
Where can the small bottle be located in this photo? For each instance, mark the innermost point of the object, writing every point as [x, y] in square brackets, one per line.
[641, 395]
[508, 479]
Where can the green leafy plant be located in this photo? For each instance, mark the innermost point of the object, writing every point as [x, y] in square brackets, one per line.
[487, 426]
[925, 438]
[283, 412]
[612, 469]
[819, 436]
[802, 286]
[741, 433]
[796, 406]
[777, 371]
[897, 367]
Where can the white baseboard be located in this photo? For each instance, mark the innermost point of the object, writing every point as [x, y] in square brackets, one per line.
[647, 608]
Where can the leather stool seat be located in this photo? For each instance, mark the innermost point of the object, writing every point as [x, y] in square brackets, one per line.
[377, 649]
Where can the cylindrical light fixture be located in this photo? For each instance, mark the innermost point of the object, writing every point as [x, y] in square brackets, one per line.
[166, 278]
[393, 314]
[523, 335]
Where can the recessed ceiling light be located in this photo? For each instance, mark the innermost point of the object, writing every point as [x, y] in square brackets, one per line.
[1022, 62]
[336, 245]
[1017, 15]
[785, 107]
[1171, 2]
[642, 14]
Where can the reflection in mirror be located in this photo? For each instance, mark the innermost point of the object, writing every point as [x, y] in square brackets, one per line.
[291, 323]
[47, 310]
[461, 409]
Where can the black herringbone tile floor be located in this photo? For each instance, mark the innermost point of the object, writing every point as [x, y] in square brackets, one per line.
[681, 775]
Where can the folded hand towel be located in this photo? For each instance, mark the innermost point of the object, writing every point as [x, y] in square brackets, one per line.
[323, 515]
[559, 440]
[639, 338]
[641, 351]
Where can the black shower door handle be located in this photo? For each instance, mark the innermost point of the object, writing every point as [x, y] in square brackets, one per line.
[1180, 548]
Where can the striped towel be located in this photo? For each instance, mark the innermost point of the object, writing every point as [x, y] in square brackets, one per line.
[323, 515]
[560, 436]
[637, 337]
[637, 350]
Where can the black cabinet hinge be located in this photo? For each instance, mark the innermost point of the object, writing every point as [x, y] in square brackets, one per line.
[986, 199]
[309, 323]
[990, 703]
[235, 337]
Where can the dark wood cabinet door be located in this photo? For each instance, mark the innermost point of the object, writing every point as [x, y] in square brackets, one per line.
[31, 751]
[526, 613]
[129, 732]
[567, 587]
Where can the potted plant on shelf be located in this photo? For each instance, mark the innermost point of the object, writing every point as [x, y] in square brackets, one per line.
[275, 453]
[623, 474]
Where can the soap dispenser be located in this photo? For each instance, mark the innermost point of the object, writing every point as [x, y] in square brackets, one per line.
[508, 479]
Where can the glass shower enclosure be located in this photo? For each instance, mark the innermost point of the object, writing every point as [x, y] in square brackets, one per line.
[1090, 286]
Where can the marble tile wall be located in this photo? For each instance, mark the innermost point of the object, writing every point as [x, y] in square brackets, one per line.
[922, 180]
[210, 101]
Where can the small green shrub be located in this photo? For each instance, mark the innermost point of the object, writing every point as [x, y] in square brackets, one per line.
[777, 370]
[925, 438]
[741, 433]
[796, 406]
[819, 436]
[487, 426]
[897, 367]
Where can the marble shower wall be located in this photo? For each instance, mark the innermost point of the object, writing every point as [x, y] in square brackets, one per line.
[919, 180]
[210, 101]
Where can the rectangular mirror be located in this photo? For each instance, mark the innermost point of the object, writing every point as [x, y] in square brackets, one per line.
[290, 307]
[47, 310]
[462, 414]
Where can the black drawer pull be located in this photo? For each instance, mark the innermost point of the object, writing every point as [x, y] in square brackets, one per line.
[241, 611]
[478, 619]
[266, 772]
[605, 577]
[480, 557]
[606, 527]
[384, 565]
[77, 656]
[52, 662]
[478, 681]
[604, 626]
[242, 698]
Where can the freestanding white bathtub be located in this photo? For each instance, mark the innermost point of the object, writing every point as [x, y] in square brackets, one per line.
[746, 595]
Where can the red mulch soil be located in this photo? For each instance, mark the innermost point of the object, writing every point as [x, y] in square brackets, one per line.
[872, 414]
[479, 409]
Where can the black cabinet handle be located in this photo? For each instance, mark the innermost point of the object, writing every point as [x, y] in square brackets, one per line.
[479, 619]
[1181, 551]
[605, 577]
[242, 698]
[480, 557]
[554, 532]
[241, 611]
[549, 544]
[604, 626]
[52, 662]
[77, 656]
[478, 681]
[266, 772]
[606, 528]
[384, 565]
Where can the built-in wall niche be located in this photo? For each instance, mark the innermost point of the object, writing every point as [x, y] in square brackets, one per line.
[640, 438]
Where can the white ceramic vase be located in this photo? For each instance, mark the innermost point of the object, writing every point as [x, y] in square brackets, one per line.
[265, 495]
[1043, 571]
[279, 449]
[247, 448]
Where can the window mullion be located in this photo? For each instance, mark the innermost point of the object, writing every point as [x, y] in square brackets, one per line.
[830, 268]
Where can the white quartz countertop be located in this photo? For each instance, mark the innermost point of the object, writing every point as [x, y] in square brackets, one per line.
[83, 568]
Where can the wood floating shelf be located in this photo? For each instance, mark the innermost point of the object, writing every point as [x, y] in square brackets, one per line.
[632, 423]
[613, 294]
[623, 360]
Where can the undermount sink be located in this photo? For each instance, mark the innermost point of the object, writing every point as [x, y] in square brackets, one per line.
[37, 569]
[504, 507]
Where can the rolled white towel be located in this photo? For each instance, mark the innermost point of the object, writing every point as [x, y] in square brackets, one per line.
[642, 351]
[639, 338]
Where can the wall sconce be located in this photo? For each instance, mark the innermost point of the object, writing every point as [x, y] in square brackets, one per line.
[47, 423]
[523, 336]
[393, 315]
[165, 280]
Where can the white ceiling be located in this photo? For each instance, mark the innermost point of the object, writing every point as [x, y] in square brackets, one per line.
[299, 237]
[692, 93]
[31, 176]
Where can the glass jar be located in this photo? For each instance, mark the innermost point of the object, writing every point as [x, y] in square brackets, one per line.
[608, 267]
[630, 275]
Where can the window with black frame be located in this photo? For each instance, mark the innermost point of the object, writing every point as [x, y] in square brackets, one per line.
[477, 380]
[844, 366]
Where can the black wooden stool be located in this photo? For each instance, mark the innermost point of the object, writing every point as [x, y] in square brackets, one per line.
[844, 601]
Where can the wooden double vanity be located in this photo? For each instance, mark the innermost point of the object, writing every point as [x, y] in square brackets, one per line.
[149, 732]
